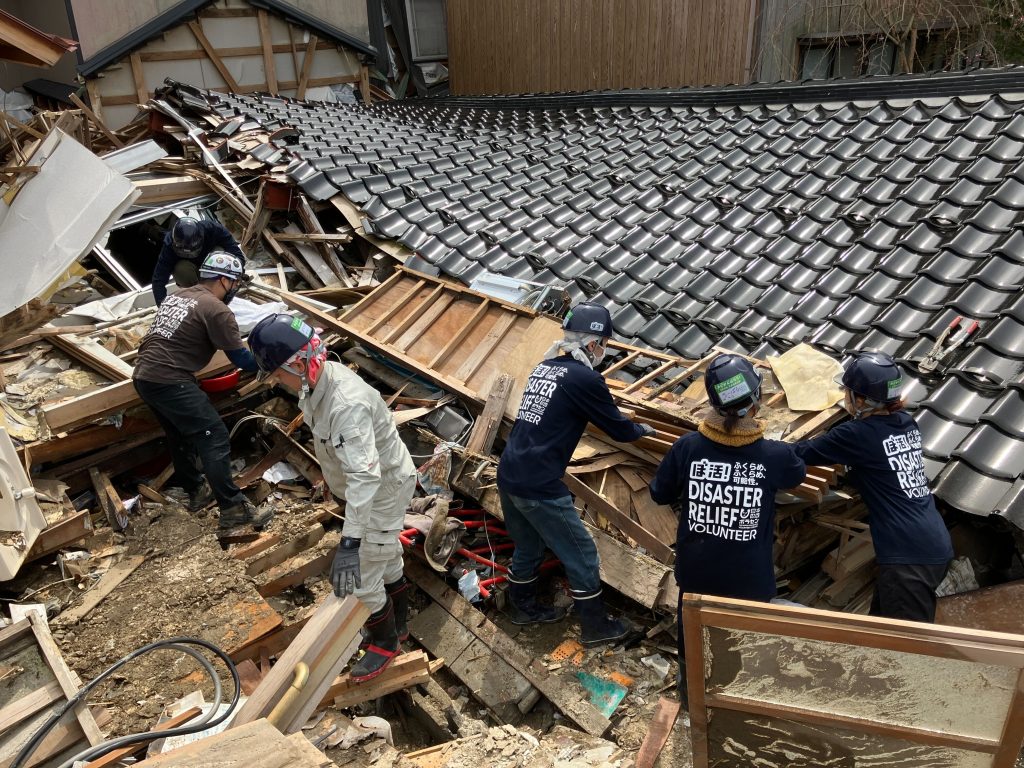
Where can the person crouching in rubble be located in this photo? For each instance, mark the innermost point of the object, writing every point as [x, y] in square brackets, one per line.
[186, 245]
[365, 462]
[882, 448]
[722, 481]
[562, 394]
[188, 328]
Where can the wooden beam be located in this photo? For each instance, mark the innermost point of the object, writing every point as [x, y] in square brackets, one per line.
[167, 189]
[405, 671]
[481, 439]
[212, 54]
[266, 40]
[96, 120]
[364, 85]
[324, 644]
[304, 237]
[108, 499]
[307, 66]
[139, 77]
[224, 53]
[620, 519]
[72, 528]
[95, 356]
[568, 701]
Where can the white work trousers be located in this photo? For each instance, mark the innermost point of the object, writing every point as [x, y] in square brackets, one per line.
[380, 553]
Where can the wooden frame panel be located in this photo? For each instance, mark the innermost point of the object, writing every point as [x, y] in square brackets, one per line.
[963, 645]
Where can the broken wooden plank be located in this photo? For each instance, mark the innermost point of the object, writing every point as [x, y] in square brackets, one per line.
[117, 755]
[324, 644]
[294, 546]
[569, 702]
[255, 743]
[108, 583]
[405, 671]
[167, 189]
[658, 549]
[109, 500]
[661, 726]
[72, 528]
[485, 430]
[293, 572]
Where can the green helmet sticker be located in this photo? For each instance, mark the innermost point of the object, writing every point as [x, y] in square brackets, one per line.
[732, 389]
[892, 388]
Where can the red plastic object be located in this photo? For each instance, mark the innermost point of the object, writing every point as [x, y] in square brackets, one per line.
[220, 383]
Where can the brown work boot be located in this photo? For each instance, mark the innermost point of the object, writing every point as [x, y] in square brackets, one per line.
[200, 497]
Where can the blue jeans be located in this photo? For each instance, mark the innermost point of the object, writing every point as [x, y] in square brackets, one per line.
[553, 523]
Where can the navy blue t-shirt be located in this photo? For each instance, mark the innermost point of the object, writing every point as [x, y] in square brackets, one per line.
[886, 466]
[725, 498]
[560, 397]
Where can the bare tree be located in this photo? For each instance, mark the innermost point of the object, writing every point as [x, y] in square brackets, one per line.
[952, 34]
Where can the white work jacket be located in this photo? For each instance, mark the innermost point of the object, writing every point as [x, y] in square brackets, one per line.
[363, 459]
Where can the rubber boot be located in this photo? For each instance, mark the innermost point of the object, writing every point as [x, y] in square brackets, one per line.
[524, 610]
[242, 514]
[398, 591]
[200, 497]
[383, 647]
[598, 628]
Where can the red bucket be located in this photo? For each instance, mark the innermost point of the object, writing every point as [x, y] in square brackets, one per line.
[223, 383]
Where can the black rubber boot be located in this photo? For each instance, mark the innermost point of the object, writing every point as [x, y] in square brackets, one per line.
[242, 514]
[524, 609]
[598, 628]
[398, 591]
[383, 647]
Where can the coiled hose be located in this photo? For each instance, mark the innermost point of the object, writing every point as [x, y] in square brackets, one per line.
[206, 721]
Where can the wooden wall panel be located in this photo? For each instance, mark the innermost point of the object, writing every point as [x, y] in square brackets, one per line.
[534, 46]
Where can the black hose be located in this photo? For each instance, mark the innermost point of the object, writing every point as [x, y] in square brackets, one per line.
[138, 738]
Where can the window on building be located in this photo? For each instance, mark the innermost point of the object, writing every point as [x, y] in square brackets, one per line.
[428, 29]
[854, 56]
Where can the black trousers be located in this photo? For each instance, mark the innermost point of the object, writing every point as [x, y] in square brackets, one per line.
[907, 591]
[196, 436]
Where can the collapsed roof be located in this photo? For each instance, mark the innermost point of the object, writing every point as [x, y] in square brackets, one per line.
[863, 214]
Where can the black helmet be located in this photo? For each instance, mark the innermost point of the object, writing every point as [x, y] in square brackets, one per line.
[731, 380]
[276, 338]
[187, 238]
[874, 376]
[589, 318]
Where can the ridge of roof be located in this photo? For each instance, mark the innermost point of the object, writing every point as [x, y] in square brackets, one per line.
[870, 88]
[121, 47]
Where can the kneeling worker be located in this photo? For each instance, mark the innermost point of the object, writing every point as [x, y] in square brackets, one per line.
[188, 329]
[365, 462]
[186, 246]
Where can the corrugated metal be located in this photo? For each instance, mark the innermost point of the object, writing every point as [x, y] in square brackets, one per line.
[519, 46]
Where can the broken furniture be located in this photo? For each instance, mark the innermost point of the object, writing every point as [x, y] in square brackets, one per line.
[780, 681]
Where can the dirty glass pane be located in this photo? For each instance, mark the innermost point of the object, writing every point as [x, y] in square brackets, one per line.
[946, 695]
[738, 740]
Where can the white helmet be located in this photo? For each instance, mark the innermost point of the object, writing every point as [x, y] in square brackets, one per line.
[220, 263]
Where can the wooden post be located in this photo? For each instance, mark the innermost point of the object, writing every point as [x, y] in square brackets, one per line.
[307, 66]
[92, 87]
[268, 51]
[364, 85]
[481, 439]
[139, 76]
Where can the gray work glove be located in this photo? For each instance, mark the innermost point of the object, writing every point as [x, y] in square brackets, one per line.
[345, 575]
[647, 430]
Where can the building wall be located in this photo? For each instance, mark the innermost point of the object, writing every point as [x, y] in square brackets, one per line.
[780, 25]
[523, 46]
[49, 16]
[177, 54]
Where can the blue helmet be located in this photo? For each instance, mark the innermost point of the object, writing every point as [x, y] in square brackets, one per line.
[276, 338]
[589, 318]
[187, 238]
[874, 376]
[731, 381]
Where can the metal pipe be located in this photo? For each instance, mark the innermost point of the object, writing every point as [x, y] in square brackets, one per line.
[299, 677]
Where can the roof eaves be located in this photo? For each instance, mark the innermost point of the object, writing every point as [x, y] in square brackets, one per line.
[17, 37]
[307, 20]
[125, 45]
[121, 47]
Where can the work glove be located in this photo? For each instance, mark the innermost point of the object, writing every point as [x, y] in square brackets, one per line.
[345, 575]
[647, 430]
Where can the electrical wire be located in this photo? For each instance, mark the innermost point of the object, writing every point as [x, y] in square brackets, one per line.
[250, 417]
[175, 643]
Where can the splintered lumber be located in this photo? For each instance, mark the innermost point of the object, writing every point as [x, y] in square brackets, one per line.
[602, 506]
[92, 354]
[109, 500]
[115, 756]
[108, 583]
[661, 726]
[103, 402]
[405, 671]
[481, 439]
[568, 701]
[297, 569]
[289, 549]
[324, 644]
[257, 744]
